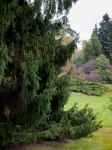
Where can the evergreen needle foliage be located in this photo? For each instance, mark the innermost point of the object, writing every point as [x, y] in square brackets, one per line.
[104, 33]
[32, 95]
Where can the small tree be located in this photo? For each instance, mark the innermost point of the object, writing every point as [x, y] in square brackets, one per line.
[92, 48]
[102, 66]
[102, 63]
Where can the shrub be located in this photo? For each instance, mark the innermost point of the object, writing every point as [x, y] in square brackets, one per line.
[82, 122]
[88, 66]
[103, 68]
[94, 77]
[102, 63]
[74, 124]
[90, 88]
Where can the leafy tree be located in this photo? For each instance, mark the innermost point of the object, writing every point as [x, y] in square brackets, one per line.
[102, 62]
[32, 95]
[92, 48]
[96, 45]
[105, 36]
[102, 66]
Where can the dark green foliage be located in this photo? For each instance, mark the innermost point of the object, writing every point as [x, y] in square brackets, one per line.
[6, 130]
[67, 52]
[90, 88]
[81, 122]
[73, 124]
[105, 36]
[32, 94]
[4, 59]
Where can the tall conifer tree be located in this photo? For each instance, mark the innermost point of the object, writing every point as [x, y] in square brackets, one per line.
[32, 95]
[105, 36]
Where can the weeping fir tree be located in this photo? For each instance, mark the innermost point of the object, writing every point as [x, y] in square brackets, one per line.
[32, 94]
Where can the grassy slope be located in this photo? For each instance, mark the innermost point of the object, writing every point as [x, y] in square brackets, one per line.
[99, 104]
[102, 139]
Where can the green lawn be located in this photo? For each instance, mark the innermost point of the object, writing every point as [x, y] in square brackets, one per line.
[101, 139]
[98, 103]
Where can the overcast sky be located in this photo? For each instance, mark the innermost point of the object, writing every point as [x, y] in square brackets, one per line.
[86, 13]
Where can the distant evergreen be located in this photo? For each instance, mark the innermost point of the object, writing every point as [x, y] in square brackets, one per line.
[104, 32]
[100, 41]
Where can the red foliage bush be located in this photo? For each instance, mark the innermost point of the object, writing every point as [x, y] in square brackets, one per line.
[92, 76]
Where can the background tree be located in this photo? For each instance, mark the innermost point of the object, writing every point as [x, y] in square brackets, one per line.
[92, 48]
[105, 36]
[102, 66]
[102, 62]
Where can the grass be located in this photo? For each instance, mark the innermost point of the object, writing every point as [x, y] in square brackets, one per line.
[98, 103]
[101, 140]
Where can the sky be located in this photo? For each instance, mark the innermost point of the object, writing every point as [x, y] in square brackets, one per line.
[86, 13]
